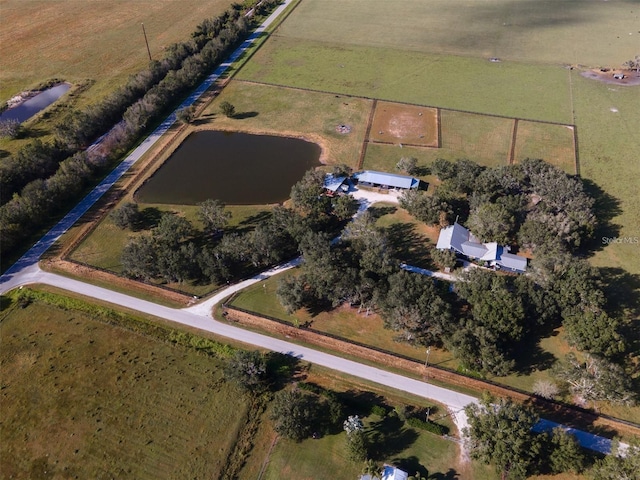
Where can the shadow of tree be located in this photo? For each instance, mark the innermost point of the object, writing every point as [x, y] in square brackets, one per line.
[358, 402]
[243, 115]
[606, 208]
[389, 437]
[381, 211]
[531, 357]
[148, 218]
[4, 153]
[409, 246]
[450, 474]
[259, 217]
[283, 369]
[422, 171]
[411, 465]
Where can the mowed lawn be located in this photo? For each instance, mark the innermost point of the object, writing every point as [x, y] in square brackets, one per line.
[101, 40]
[597, 33]
[84, 399]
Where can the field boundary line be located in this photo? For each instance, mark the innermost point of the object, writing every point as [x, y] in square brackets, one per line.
[439, 126]
[576, 155]
[365, 142]
[512, 150]
[349, 95]
[415, 145]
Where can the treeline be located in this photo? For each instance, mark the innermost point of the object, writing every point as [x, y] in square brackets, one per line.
[42, 178]
[175, 251]
[489, 319]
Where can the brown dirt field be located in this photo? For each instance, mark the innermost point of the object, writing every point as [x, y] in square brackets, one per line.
[630, 79]
[566, 415]
[406, 124]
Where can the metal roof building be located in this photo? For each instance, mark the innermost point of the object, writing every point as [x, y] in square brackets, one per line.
[389, 180]
[456, 237]
[333, 183]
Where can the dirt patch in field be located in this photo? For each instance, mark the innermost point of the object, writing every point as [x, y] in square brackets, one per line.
[405, 124]
[630, 78]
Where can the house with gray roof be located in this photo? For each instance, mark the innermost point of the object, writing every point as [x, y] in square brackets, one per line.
[386, 180]
[457, 238]
[334, 183]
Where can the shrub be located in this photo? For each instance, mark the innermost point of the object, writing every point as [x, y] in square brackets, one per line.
[428, 426]
[379, 410]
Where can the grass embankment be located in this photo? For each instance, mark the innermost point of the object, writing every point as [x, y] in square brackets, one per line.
[94, 43]
[298, 113]
[84, 398]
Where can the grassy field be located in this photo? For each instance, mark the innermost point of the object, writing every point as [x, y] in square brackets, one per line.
[597, 33]
[538, 92]
[83, 398]
[312, 115]
[554, 143]
[100, 40]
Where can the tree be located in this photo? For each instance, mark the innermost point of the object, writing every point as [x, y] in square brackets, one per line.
[139, 258]
[227, 109]
[126, 216]
[341, 170]
[492, 222]
[186, 114]
[596, 379]
[444, 169]
[414, 307]
[407, 165]
[371, 468]
[430, 209]
[308, 196]
[444, 258]
[565, 452]
[345, 207]
[213, 216]
[620, 464]
[291, 293]
[248, 369]
[356, 442]
[9, 128]
[295, 413]
[546, 389]
[172, 229]
[499, 432]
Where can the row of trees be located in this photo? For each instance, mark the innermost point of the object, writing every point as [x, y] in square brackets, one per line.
[175, 251]
[132, 109]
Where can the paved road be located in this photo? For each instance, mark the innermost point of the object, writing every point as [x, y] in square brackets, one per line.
[27, 271]
[25, 265]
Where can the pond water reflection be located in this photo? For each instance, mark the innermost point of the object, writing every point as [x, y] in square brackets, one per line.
[30, 107]
[236, 168]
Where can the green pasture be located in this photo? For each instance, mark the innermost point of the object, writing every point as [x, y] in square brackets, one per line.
[90, 400]
[284, 111]
[590, 32]
[553, 143]
[481, 138]
[608, 121]
[512, 89]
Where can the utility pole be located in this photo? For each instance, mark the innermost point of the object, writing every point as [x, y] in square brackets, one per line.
[426, 362]
[146, 41]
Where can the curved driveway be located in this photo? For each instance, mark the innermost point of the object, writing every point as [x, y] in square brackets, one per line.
[27, 271]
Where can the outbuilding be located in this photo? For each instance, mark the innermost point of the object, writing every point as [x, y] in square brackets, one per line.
[386, 180]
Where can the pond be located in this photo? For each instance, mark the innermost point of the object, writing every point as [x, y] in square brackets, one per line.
[236, 168]
[33, 105]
